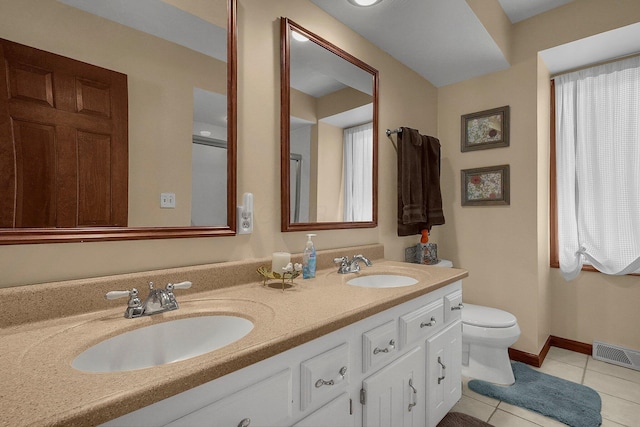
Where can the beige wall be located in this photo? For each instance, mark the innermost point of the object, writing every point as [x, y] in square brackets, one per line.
[341, 101]
[406, 99]
[505, 249]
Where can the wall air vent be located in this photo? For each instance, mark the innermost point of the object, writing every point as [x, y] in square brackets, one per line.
[617, 355]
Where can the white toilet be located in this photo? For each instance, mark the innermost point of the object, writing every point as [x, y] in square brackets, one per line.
[487, 334]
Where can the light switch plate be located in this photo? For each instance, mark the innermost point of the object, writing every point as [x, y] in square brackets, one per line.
[168, 200]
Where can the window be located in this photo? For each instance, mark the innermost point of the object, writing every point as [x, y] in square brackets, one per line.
[358, 167]
[596, 169]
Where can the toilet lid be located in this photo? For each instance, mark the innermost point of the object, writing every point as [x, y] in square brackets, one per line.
[488, 317]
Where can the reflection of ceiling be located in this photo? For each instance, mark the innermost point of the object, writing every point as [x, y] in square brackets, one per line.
[298, 123]
[152, 16]
[354, 117]
[317, 71]
[209, 107]
[444, 41]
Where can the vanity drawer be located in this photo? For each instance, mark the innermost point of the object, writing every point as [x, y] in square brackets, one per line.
[324, 376]
[453, 306]
[379, 345]
[265, 403]
[421, 323]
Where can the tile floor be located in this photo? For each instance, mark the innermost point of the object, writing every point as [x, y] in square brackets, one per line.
[619, 389]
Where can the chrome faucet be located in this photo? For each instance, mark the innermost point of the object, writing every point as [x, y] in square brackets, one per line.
[352, 266]
[158, 300]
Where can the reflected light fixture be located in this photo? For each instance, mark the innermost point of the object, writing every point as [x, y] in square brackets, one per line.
[299, 37]
[364, 3]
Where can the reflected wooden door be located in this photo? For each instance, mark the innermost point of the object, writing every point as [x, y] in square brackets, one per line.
[63, 141]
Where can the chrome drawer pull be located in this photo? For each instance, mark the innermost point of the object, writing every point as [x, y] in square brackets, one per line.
[432, 323]
[457, 307]
[391, 346]
[443, 368]
[245, 423]
[414, 395]
[341, 373]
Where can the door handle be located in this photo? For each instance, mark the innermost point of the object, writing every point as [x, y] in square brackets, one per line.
[443, 370]
[413, 397]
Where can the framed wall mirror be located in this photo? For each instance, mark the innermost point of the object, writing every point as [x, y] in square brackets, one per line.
[179, 59]
[329, 134]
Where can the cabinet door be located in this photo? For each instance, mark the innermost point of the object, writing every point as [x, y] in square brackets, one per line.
[266, 403]
[394, 396]
[444, 370]
[337, 413]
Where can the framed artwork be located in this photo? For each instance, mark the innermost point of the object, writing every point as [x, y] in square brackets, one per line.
[485, 186]
[485, 129]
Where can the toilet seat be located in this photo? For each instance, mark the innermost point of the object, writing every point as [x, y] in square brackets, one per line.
[487, 317]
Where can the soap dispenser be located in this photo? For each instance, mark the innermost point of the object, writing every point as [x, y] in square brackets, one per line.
[427, 252]
[309, 259]
[421, 248]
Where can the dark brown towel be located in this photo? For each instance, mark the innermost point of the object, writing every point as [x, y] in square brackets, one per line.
[435, 215]
[419, 197]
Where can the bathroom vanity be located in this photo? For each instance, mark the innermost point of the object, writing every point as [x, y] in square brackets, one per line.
[322, 352]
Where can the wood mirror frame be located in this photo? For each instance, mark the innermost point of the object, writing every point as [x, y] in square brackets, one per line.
[93, 234]
[286, 25]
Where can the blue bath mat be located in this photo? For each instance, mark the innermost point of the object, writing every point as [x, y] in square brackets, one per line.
[568, 402]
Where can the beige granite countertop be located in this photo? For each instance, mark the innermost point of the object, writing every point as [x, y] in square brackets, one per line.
[41, 388]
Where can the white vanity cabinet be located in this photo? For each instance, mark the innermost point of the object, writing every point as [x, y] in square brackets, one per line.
[386, 369]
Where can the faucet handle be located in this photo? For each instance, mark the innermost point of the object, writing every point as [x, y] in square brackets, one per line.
[341, 260]
[120, 294]
[134, 306]
[181, 285]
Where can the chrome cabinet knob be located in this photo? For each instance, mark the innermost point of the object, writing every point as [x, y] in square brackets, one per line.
[341, 373]
[387, 349]
[431, 323]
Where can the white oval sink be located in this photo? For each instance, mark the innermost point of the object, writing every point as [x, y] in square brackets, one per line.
[382, 281]
[163, 343]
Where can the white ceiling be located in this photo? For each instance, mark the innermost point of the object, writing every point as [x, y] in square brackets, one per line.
[442, 40]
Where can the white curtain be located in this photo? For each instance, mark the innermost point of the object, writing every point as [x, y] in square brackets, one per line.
[358, 173]
[598, 168]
